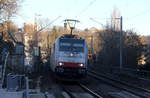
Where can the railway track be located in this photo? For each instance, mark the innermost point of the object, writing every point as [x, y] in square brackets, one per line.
[138, 91]
[65, 89]
[68, 93]
[90, 91]
[79, 91]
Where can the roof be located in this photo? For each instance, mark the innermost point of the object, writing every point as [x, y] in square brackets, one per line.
[70, 36]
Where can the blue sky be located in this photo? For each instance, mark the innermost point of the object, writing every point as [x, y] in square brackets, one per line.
[136, 13]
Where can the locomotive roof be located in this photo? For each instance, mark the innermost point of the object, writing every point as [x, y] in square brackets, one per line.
[71, 36]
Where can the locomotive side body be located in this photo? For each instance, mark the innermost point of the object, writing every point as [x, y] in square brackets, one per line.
[69, 57]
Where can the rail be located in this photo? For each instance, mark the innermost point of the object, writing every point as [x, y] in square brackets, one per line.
[98, 76]
[67, 91]
[83, 87]
[90, 91]
[129, 71]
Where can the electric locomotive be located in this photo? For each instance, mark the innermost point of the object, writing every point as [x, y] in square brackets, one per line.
[69, 56]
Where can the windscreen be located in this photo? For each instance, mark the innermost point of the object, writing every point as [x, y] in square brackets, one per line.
[74, 45]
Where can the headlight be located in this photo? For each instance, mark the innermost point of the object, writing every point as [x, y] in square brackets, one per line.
[81, 65]
[60, 63]
[71, 54]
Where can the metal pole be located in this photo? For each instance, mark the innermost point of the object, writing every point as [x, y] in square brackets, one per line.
[92, 44]
[2, 29]
[121, 43]
[35, 29]
[27, 87]
[71, 31]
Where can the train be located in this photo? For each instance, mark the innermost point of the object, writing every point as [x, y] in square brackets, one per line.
[69, 58]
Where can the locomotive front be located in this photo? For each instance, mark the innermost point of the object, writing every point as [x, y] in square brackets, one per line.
[71, 57]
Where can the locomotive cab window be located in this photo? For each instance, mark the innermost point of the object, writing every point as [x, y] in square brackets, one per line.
[71, 45]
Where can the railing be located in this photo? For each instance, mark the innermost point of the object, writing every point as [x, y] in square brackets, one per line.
[4, 68]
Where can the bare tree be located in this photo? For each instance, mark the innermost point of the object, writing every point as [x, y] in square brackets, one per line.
[11, 28]
[8, 8]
